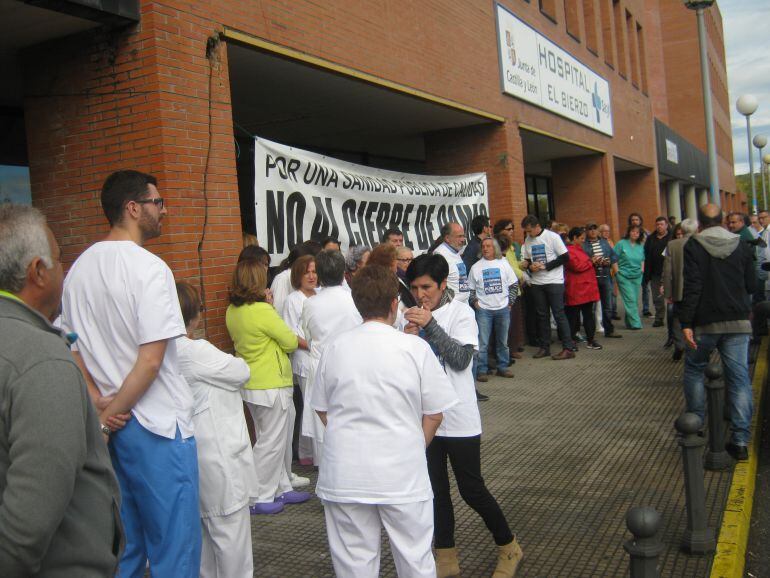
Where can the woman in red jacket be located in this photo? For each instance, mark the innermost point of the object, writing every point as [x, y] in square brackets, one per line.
[581, 291]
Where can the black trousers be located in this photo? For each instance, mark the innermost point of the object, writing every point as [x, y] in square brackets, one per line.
[465, 456]
[550, 298]
[589, 320]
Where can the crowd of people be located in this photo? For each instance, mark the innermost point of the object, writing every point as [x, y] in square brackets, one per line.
[363, 364]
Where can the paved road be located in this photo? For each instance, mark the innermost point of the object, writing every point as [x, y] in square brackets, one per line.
[567, 448]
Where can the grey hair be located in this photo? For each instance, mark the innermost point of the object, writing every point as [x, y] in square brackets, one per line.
[23, 238]
[354, 256]
[330, 268]
[689, 227]
[498, 251]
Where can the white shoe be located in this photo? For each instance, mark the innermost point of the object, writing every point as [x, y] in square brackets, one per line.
[298, 481]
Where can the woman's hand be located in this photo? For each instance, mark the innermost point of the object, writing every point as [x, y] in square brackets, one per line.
[418, 315]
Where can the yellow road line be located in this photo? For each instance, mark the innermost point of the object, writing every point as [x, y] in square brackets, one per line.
[730, 557]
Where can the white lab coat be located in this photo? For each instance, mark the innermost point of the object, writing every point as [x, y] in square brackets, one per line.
[225, 461]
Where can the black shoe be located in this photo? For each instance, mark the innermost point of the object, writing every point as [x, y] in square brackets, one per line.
[738, 453]
[612, 336]
[647, 314]
[593, 345]
[657, 323]
[480, 396]
[616, 317]
[678, 353]
[669, 342]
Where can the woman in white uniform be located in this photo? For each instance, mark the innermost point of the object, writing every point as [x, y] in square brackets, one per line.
[304, 280]
[381, 393]
[449, 327]
[227, 478]
[325, 316]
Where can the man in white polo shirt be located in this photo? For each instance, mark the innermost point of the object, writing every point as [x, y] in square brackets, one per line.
[544, 255]
[121, 301]
[381, 394]
[451, 247]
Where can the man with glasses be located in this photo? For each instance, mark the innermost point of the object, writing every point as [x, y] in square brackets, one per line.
[121, 301]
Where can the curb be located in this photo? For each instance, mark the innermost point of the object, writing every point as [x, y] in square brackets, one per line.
[730, 558]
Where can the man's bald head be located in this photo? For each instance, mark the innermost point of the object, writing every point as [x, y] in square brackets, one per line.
[710, 215]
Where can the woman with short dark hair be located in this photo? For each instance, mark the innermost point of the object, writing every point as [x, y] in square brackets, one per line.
[630, 252]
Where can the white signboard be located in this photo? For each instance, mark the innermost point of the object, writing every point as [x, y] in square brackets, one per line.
[301, 196]
[672, 152]
[536, 70]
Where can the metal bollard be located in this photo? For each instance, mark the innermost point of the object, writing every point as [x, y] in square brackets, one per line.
[716, 456]
[644, 549]
[698, 537]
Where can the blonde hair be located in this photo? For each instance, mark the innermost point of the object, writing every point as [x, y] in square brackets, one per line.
[249, 283]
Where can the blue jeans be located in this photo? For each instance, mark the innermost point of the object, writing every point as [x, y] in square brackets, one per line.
[501, 319]
[733, 349]
[159, 485]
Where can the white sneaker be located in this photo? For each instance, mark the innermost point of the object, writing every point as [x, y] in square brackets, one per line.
[298, 481]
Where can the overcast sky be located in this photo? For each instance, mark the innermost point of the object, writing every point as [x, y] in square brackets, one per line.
[746, 25]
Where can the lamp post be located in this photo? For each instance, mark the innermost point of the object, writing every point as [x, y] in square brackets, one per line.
[760, 141]
[708, 111]
[747, 105]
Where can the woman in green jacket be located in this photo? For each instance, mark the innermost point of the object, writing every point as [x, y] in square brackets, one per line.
[630, 252]
[263, 340]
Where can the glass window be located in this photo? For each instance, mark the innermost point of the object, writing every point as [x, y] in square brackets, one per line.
[539, 197]
[14, 185]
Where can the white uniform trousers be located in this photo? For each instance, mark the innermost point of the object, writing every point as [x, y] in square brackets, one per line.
[354, 538]
[287, 455]
[305, 445]
[270, 447]
[226, 547]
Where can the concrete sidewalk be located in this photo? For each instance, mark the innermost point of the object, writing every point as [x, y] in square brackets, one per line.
[568, 447]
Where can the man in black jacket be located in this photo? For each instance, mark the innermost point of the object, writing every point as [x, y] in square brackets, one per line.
[654, 254]
[719, 279]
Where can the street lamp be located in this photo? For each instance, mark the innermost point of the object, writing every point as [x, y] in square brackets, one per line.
[760, 141]
[747, 105]
[708, 111]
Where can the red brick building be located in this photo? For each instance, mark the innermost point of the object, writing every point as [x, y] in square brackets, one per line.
[175, 88]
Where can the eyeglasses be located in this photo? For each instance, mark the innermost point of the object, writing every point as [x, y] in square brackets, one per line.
[405, 259]
[158, 202]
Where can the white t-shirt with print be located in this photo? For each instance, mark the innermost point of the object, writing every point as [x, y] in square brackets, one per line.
[375, 384]
[118, 296]
[490, 279]
[458, 274]
[463, 420]
[542, 249]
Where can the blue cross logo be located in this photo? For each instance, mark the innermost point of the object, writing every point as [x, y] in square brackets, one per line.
[597, 102]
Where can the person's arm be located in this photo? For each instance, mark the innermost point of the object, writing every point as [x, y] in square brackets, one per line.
[668, 277]
[513, 292]
[560, 261]
[146, 367]
[455, 354]
[115, 422]
[749, 271]
[217, 368]
[692, 287]
[46, 426]
[322, 417]
[277, 330]
[430, 423]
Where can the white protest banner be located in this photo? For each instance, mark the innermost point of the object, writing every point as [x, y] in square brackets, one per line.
[301, 196]
[534, 69]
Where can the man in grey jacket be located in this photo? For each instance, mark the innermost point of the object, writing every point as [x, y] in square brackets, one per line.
[59, 498]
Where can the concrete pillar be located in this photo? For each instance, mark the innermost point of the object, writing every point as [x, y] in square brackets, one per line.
[703, 197]
[690, 202]
[674, 203]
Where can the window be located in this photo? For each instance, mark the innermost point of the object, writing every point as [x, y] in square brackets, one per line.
[620, 41]
[14, 185]
[589, 18]
[633, 48]
[607, 39]
[572, 18]
[539, 197]
[642, 57]
[548, 7]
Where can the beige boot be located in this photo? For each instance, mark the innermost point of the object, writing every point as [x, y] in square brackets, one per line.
[447, 565]
[508, 560]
